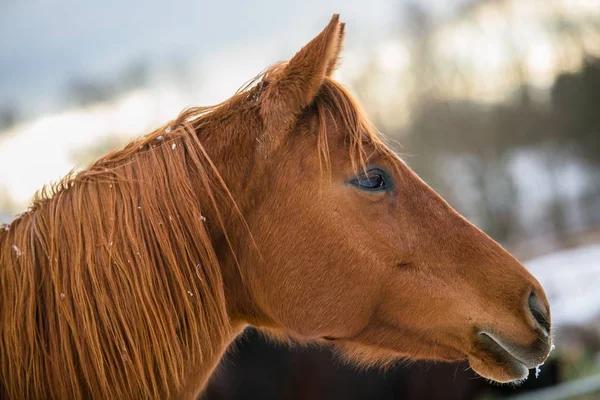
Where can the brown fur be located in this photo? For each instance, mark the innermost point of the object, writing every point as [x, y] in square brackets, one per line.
[130, 279]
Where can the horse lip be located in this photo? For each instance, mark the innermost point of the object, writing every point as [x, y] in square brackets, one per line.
[506, 352]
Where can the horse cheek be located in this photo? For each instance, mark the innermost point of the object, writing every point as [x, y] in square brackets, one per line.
[315, 296]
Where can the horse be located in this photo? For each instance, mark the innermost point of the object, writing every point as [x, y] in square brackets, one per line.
[281, 208]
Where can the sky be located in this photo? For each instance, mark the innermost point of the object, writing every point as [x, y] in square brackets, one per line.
[45, 45]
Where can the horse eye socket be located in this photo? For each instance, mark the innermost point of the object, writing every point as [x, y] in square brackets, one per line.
[373, 180]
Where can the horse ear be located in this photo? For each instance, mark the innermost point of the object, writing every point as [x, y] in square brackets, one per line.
[295, 84]
[334, 63]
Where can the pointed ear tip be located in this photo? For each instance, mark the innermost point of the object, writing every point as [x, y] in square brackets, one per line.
[342, 31]
[335, 20]
[336, 26]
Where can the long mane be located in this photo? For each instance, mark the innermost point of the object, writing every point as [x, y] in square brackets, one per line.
[110, 284]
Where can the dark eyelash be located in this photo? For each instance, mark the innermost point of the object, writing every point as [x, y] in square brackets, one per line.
[373, 180]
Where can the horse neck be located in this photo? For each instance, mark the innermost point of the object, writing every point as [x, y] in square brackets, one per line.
[200, 374]
[227, 230]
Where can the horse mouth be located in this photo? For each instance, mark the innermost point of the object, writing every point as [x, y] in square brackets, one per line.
[502, 364]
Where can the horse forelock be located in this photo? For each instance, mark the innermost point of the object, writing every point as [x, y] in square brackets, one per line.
[334, 102]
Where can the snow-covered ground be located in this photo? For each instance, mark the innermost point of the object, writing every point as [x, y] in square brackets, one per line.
[571, 279]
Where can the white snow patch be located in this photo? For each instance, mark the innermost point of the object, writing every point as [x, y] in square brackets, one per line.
[571, 279]
[17, 250]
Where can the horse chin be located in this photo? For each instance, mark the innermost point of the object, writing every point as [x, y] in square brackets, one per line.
[493, 363]
[505, 371]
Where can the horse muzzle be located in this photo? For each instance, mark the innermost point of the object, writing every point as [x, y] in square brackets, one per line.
[505, 360]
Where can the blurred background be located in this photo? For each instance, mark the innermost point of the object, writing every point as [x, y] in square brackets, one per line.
[495, 103]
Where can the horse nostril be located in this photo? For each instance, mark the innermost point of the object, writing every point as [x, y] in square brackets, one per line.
[539, 314]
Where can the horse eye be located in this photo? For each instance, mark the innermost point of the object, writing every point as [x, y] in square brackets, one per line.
[373, 180]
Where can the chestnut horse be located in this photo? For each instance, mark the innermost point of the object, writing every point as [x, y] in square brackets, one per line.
[279, 208]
